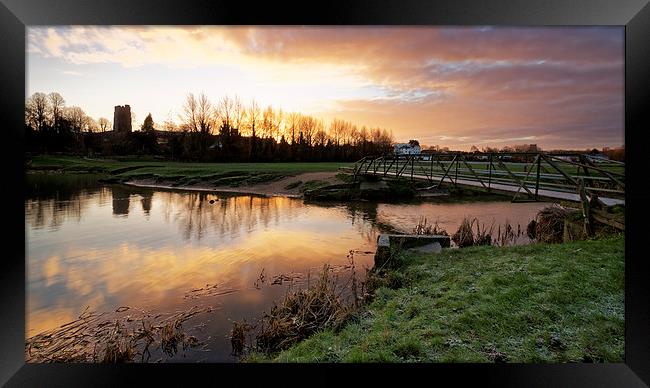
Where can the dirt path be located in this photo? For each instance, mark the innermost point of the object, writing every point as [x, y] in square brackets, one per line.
[274, 188]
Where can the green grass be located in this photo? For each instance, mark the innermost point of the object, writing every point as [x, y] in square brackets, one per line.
[536, 303]
[182, 173]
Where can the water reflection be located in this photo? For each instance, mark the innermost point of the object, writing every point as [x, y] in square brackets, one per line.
[450, 215]
[121, 200]
[53, 198]
[121, 245]
[105, 246]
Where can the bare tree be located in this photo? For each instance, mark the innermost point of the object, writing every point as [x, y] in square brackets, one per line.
[91, 125]
[362, 136]
[352, 134]
[205, 114]
[267, 122]
[57, 103]
[307, 127]
[239, 114]
[36, 110]
[198, 115]
[320, 137]
[226, 111]
[336, 130]
[189, 113]
[104, 124]
[169, 125]
[292, 125]
[253, 115]
[271, 123]
[278, 124]
[77, 118]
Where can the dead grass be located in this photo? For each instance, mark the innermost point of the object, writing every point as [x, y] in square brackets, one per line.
[483, 235]
[464, 236]
[238, 336]
[112, 338]
[324, 303]
[119, 347]
[423, 228]
[472, 233]
[549, 224]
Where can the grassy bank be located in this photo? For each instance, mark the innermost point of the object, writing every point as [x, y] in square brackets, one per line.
[182, 173]
[536, 303]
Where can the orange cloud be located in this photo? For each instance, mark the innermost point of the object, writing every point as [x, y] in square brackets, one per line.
[541, 83]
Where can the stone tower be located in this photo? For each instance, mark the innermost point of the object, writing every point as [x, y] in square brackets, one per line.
[122, 119]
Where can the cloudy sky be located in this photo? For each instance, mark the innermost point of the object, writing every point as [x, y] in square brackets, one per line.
[450, 86]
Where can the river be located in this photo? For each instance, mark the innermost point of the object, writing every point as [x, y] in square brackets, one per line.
[99, 247]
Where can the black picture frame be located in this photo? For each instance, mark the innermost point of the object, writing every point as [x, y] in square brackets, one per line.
[15, 15]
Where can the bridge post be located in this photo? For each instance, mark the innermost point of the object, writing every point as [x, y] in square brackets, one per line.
[490, 173]
[457, 161]
[539, 163]
[412, 163]
[585, 207]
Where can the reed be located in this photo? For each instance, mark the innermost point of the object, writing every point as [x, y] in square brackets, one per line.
[548, 225]
[111, 338]
[303, 312]
[464, 236]
[423, 228]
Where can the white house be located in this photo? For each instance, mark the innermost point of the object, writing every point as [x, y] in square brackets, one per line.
[410, 148]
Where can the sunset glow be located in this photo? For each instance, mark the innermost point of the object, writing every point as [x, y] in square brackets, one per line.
[447, 86]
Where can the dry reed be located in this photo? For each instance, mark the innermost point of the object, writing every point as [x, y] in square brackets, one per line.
[549, 224]
[464, 236]
[238, 336]
[431, 229]
[114, 339]
[303, 312]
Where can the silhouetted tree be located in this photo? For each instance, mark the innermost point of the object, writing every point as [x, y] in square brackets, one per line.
[147, 125]
[104, 124]
[57, 104]
[36, 110]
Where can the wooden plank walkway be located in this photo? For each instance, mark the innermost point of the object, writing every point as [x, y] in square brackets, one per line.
[501, 188]
[542, 193]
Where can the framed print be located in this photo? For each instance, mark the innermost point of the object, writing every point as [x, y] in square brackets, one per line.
[262, 193]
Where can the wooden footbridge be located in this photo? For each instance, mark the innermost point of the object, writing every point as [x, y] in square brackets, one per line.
[538, 176]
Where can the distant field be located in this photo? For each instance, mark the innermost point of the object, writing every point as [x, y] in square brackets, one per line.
[126, 169]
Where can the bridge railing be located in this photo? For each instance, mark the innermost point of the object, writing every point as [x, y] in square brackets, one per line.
[530, 172]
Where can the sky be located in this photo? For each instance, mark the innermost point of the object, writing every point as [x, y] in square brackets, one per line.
[557, 87]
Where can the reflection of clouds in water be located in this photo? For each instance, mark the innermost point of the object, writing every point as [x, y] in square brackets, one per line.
[163, 244]
[141, 258]
[40, 320]
[51, 270]
[122, 245]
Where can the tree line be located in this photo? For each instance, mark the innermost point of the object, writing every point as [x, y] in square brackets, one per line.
[225, 130]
